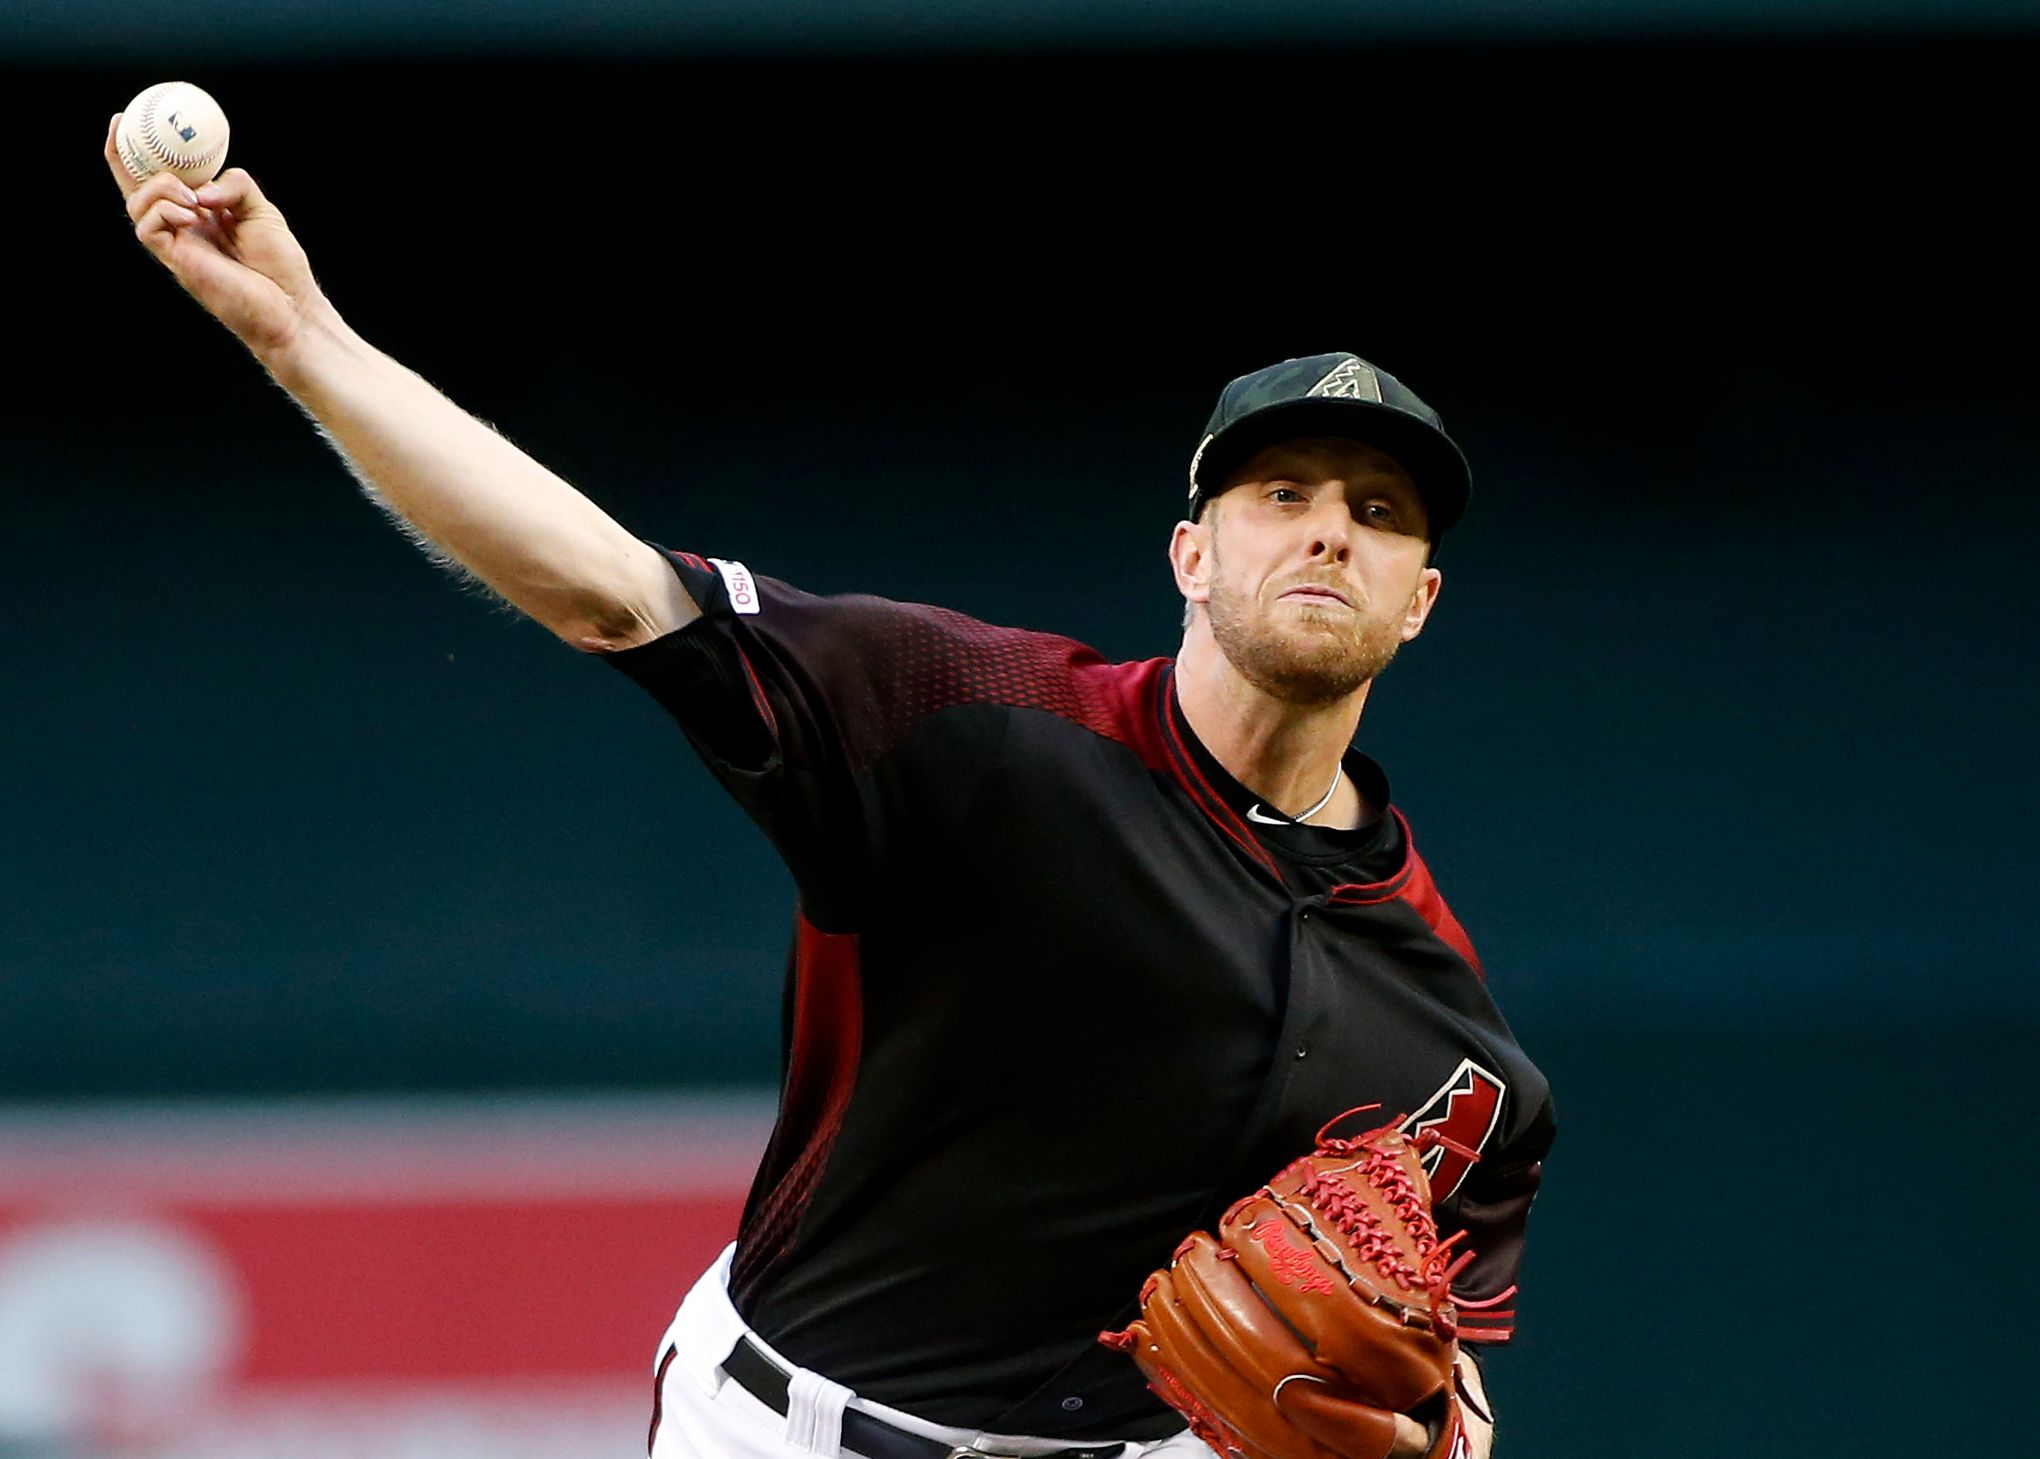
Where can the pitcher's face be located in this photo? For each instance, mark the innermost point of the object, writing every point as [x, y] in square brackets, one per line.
[1312, 567]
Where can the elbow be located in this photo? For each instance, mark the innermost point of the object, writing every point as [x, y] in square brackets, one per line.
[632, 610]
[605, 634]
[605, 627]
[590, 642]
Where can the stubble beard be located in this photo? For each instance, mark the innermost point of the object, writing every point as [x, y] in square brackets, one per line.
[1321, 666]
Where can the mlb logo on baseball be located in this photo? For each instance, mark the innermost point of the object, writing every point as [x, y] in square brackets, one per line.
[173, 126]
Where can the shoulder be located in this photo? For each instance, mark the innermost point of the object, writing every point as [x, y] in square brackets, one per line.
[887, 665]
[1421, 891]
[916, 660]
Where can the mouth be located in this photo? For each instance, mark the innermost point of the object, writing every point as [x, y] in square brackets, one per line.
[1313, 593]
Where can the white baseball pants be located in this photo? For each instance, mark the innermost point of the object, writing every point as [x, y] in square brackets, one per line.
[702, 1414]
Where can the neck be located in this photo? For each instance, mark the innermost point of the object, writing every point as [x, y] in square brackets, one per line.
[1285, 753]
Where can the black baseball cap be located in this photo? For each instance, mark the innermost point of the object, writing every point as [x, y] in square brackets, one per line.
[1332, 395]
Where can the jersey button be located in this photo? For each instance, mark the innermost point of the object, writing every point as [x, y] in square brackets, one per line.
[1303, 1049]
[1072, 1404]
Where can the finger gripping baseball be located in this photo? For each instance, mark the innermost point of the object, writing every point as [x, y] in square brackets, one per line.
[1318, 1312]
[235, 189]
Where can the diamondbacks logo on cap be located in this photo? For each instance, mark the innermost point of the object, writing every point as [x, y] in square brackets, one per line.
[1353, 380]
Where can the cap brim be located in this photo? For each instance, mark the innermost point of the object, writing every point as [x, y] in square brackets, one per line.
[1425, 452]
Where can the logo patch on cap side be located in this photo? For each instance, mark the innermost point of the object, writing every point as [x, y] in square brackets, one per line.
[1351, 380]
[1194, 460]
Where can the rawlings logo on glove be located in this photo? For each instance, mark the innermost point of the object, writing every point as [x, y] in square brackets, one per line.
[1320, 1311]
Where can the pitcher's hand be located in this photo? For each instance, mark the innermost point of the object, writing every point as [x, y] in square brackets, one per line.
[228, 246]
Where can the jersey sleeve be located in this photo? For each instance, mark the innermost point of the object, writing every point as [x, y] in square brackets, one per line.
[1493, 1207]
[824, 717]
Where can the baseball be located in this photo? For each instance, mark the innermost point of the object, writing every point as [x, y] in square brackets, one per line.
[173, 127]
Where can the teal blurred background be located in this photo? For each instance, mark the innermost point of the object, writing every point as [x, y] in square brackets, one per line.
[1719, 743]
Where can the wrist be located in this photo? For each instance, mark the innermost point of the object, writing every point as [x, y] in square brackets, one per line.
[318, 338]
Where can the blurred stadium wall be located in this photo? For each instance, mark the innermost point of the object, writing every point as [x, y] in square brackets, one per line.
[421, 1277]
[318, 873]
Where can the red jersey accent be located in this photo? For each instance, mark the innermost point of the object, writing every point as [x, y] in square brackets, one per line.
[1413, 885]
[1210, 801]
[828, 1032]
[1133, 696]
[920, 661]
[758, 699]
[1422, 894]
[1366, 894]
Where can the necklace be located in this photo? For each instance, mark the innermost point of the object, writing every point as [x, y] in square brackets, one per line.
[1337, 772]
[1279, 819]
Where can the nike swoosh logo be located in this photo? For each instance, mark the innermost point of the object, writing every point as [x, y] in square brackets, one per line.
[1254, 814]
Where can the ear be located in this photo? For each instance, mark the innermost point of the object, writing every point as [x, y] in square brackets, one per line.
[1190, 557]
[1422, 601]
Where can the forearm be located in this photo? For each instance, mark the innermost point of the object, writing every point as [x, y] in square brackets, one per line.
[471, 495]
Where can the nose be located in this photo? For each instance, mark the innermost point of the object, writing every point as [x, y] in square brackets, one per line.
[1332, 533]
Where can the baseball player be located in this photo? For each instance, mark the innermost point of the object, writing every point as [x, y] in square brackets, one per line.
[1083, 951]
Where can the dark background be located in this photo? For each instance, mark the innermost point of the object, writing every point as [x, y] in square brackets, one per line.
[1718, 742]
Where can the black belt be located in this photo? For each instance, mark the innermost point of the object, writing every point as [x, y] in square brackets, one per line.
[874, 1438]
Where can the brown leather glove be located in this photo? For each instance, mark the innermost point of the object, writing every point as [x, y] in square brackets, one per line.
[1319, 1311]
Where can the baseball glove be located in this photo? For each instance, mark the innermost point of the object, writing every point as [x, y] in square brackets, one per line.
[1319, 1311]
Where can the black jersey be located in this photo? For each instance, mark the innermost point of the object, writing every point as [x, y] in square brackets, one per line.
[1055, 999]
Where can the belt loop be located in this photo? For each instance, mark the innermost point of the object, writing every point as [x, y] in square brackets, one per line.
[814, 1412]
